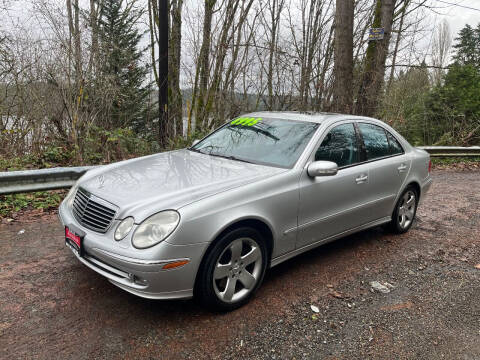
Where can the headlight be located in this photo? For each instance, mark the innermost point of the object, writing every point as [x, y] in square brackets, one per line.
[155, 229]
[124, 228]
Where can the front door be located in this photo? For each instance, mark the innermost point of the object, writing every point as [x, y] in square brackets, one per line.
[330, 205]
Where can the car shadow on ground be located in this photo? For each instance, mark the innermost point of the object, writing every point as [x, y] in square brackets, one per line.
[322, 258]
[343, 246]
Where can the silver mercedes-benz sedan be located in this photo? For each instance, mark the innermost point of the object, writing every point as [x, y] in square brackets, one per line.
[209, 220]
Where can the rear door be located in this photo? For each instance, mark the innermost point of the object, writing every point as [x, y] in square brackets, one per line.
[388, 168]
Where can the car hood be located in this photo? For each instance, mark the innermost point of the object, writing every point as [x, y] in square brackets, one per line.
[168, 180]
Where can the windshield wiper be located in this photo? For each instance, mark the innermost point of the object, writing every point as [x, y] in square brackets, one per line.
[231, 157]
[261, 131]
[196, 150]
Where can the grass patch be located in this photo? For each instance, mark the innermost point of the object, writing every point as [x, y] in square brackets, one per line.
[454, 160]
[41, 200]
[51, 157]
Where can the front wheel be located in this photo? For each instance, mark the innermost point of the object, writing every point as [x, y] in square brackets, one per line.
[405, 210]
[233, 270]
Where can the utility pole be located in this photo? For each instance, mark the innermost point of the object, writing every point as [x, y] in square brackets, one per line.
[163, 72]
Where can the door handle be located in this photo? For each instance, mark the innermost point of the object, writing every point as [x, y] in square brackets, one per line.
[402, 168]
[361, 179]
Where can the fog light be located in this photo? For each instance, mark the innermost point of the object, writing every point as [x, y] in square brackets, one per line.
[124, 228]
[139, 281]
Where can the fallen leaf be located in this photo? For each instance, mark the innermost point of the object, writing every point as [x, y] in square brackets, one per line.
[336, 294]
[399, 306]
[377, 286]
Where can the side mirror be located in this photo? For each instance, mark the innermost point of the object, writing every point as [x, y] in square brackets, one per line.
[322, 168]
[195, 142]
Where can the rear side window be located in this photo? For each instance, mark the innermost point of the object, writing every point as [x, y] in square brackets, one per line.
[339, 146]
[375, 140]
[395, 147]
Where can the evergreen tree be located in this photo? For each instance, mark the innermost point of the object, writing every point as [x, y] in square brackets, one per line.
[468, 46]
[122, 72]
[454, 107]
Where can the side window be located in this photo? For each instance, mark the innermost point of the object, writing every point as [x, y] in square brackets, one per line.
[395, 147]
[339, 146]
[375, 140]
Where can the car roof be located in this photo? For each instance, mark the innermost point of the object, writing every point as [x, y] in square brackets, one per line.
[316, 117]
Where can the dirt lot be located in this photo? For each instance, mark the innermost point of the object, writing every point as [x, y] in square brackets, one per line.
[52, 307]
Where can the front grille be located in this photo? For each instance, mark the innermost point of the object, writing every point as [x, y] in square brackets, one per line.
[88, 210]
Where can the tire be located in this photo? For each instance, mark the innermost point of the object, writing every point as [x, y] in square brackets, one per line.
[232, 270]
[404, 213]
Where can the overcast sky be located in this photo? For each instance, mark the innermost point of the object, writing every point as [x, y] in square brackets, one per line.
[457, 16]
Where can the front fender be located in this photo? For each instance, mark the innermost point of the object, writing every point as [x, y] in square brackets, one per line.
[274, 201]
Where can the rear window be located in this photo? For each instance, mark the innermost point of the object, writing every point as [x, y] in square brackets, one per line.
[395, 147]
[375, 140]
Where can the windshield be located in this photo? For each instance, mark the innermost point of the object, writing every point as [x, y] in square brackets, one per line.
[267, 141]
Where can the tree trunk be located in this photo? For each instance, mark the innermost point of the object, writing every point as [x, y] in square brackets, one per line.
[203, 66]
[74, 54]
[94, 12]
[224, 41]
[163, 128]
[78, 48]
[343, 54]
[175, 38]
[374, 68]
[275, 11]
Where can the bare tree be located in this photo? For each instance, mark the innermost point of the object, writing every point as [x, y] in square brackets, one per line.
[270, 20]
[203, 66]
[403, 12]
[310, 31]
[442, 42]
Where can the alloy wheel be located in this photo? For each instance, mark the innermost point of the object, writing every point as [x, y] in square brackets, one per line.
[406, 210]
[237, 270]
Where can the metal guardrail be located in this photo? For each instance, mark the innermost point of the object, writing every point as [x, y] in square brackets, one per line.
[12, 182]
[452, 151]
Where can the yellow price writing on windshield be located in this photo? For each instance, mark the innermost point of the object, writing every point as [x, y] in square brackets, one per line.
[246, 121]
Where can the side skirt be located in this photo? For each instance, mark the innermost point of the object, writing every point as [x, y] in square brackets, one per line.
[284, 257]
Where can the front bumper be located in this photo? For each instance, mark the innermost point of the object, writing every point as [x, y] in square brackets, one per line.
[140, 275]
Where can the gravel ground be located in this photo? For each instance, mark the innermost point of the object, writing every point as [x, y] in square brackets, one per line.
[52, 307]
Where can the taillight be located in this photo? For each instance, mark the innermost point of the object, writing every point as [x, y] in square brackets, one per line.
[429, 166]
